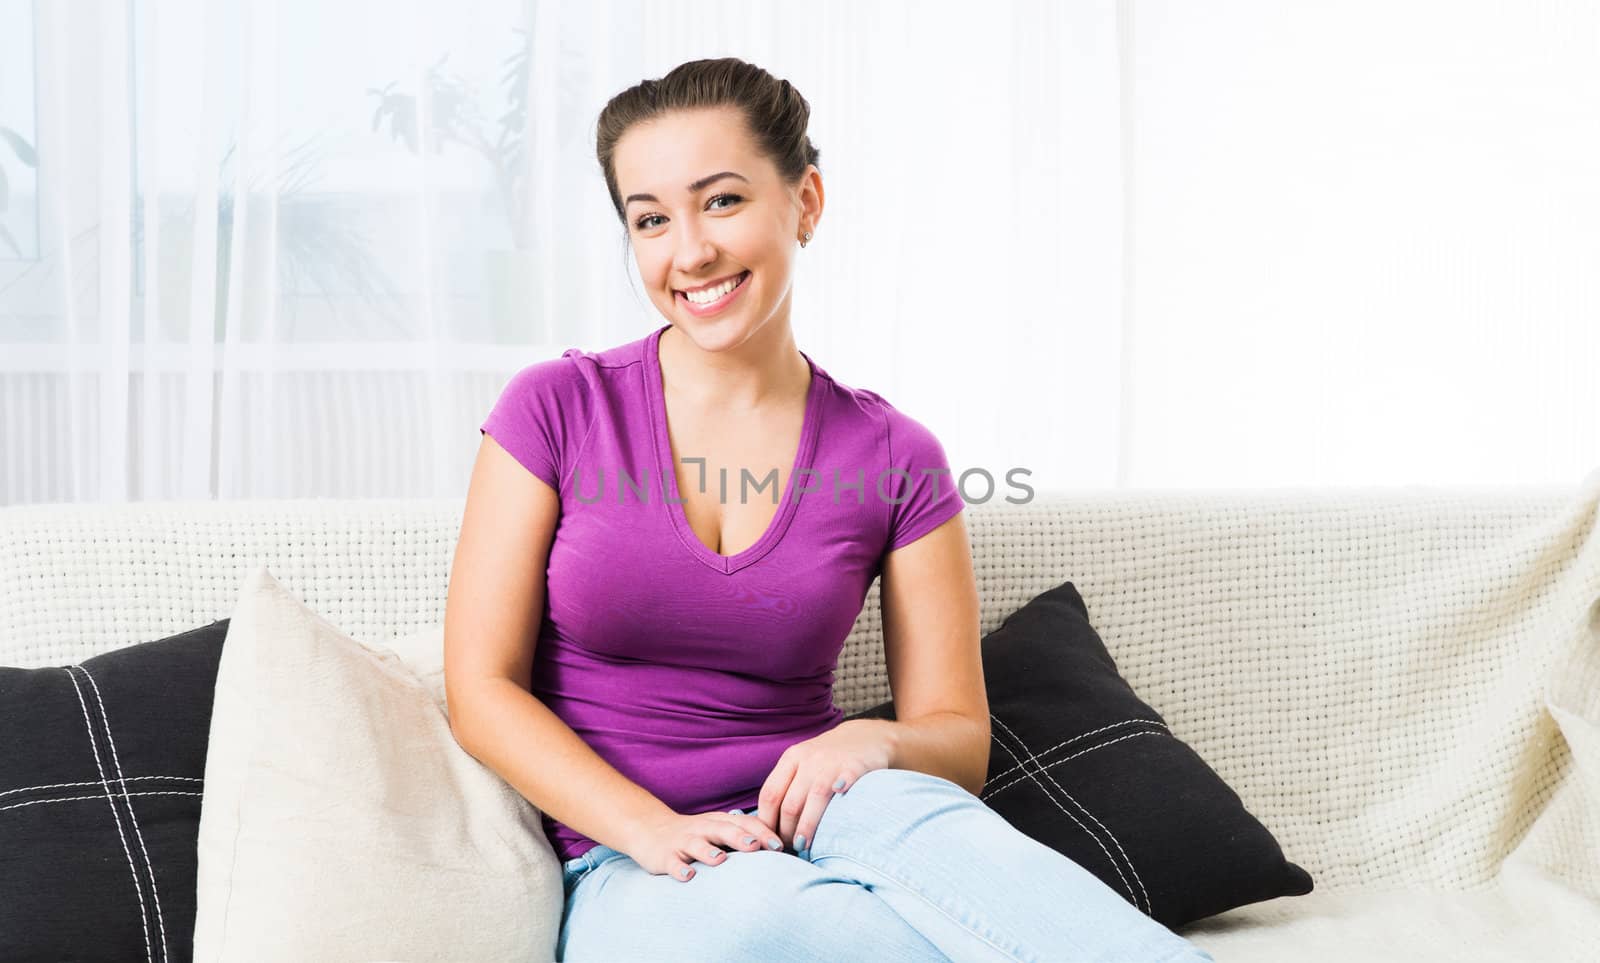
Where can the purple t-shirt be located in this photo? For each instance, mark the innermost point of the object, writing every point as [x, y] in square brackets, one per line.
[687, 670]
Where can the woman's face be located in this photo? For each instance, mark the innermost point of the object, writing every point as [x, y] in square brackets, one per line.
[697, 228]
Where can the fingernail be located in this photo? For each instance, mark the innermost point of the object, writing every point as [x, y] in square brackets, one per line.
[684, 872]
[748, 840]
[838, 785]
[800, 843]
[774, 843]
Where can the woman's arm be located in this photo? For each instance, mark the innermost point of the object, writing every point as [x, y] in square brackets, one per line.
[933, 649]
[493, 611]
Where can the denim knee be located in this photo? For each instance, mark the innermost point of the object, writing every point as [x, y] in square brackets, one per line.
[885, 786]
[759, 905]
[910, 777]
[887, 803]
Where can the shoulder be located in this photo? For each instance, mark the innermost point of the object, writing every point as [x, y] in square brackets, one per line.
[545, 413]
[900, 435]
[921, 494]
[864, 410]
[905, 435]
[550, 401]
[569, 383]
[554, 378]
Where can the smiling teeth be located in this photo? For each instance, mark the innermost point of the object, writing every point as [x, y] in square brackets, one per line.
[711, 294]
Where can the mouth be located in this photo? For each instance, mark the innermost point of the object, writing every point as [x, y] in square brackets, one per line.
[712, 307]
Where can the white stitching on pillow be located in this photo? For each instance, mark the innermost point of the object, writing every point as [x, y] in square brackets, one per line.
[63, 785]
[36, 802]
[144, 913]
[1131, 895]
[1051, 765]
[116, 760]
[1125, 722]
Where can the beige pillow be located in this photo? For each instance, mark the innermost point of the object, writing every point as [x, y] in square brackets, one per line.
[342, 821]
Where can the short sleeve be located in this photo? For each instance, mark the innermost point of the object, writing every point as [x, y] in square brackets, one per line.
[920, 488]
[540, 414]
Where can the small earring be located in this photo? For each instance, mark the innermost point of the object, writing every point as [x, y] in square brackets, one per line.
[806, 238]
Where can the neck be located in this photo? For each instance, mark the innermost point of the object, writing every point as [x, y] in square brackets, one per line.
[762, 372]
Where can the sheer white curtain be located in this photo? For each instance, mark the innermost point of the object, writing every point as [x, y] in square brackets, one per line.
[295, 248]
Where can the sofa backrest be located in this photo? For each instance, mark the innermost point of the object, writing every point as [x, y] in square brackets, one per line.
[1364, 667]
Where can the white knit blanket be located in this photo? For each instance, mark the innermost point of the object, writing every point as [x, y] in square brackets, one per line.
[1402, 684]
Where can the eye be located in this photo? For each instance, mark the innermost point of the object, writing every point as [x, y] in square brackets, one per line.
[643, 223]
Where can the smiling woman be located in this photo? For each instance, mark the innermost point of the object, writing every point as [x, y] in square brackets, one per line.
[679, 651]
[716, 244]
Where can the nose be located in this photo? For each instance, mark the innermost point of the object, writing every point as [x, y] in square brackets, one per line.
[693, 252]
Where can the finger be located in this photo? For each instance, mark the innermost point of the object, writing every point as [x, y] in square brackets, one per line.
[789, 811]
[816, 802]
[748, 833]
[773, 792]
[754, 835]
[701, 842]
[745, 832]
[710, 853]
[700, 849]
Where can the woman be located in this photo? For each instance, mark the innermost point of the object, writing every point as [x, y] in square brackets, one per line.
[645, 650]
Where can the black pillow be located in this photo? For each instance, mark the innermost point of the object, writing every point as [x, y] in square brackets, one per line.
[101, 769]
[1081, 764]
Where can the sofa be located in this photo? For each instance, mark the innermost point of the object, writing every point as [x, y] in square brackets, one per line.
[1402, 684]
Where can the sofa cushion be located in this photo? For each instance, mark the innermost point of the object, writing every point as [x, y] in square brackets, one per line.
[342, 820]
[1083, 765]
[101, 772]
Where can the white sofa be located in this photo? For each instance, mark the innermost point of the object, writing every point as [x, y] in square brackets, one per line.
[1402, 684]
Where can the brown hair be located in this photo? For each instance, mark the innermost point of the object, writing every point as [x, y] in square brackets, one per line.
[774, 113]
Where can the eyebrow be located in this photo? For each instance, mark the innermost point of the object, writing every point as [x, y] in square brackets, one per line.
[694, 188]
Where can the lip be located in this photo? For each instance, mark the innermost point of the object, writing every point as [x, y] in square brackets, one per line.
[708, 284]
[706, 310]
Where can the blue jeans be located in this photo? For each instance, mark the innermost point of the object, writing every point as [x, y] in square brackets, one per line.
[905, 866]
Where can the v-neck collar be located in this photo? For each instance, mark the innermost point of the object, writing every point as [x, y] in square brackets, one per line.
[656, 400]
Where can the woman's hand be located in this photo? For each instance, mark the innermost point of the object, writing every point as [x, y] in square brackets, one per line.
[670, 844]
[810, 773]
